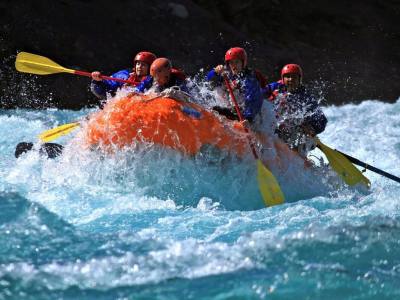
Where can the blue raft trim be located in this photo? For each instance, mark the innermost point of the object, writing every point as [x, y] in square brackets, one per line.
[191, 112]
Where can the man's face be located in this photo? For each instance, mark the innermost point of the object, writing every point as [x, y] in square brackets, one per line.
[141, 68]
[236, 66]
[162, 76]
[292, 81]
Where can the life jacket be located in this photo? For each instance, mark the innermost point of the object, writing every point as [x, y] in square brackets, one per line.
[136, 79]
[246, 88]
[178, 74]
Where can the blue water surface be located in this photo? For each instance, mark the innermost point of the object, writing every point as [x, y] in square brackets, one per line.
[148, 223]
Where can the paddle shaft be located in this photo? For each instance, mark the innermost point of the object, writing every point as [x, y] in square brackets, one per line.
[239, 113]
[87, 74]
[369, 167]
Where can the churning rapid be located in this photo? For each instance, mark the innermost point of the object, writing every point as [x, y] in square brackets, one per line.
[150, 223]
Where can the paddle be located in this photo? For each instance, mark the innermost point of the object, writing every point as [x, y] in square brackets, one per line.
[40, 65]
[368, 167]
[54, 133]
[267, 183]
[342, 166]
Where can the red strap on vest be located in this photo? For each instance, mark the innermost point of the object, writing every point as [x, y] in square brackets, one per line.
[136, 79]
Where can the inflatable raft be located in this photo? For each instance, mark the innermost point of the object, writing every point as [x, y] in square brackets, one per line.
[189, 128]
[183, 126]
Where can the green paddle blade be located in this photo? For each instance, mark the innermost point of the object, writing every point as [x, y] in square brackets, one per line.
[269, 186]
[36, 64]
[343, 167]
[54, 133]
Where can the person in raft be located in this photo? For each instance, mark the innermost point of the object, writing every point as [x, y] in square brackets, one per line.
[141, 69]
[299, 117]
[244, 82]
[164, 80]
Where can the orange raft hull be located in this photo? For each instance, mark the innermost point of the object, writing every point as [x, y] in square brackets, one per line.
[182, 126]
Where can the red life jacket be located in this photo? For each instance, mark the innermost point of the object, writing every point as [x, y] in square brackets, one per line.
[136, 79]
[178, 74]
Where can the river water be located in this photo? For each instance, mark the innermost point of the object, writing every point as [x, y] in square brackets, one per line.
[152, 224]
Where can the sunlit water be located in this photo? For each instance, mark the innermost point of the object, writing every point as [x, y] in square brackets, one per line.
[149, 223]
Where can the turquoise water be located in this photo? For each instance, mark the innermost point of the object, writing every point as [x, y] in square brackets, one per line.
[151, 224]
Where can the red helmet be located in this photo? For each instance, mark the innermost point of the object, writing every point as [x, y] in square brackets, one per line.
[236, 53]
[292, 68]
[145, 56]
[160, 64]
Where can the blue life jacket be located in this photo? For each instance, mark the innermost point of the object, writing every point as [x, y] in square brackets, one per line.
[249, 88]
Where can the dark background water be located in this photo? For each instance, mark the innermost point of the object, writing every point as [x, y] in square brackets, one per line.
[351, 48]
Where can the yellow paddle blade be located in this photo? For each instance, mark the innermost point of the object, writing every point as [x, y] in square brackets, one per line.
[36, 64]
[52, 134]
[269, 187]
[343, 167]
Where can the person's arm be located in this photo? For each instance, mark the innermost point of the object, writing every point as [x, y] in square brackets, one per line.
[253, 98]
[215, 74]
[100, 88]
[144, 85]
[315, 119]
[182, 86]
[269, 89]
